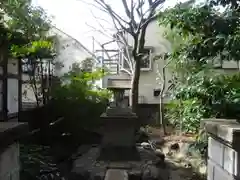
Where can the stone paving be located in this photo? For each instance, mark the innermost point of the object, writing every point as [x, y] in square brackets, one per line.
[150, 166]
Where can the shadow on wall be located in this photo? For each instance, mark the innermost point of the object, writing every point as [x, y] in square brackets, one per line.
[148, 114]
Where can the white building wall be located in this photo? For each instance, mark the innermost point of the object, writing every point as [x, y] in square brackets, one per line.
[148, 79]
[12, 87]
[27, 91]
[69, 51]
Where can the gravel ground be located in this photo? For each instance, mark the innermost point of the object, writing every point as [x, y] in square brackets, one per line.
[182, 166]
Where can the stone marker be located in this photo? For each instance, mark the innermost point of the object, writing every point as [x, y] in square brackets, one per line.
[118, 157]
[119, 121]
[116, 174]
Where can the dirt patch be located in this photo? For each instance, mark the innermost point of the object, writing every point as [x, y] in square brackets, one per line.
[182, 165]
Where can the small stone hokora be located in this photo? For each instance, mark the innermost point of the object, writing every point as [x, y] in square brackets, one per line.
[119, 99]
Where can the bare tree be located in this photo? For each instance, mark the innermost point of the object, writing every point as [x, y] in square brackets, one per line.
[40, 75]
[139, 13]
[165, 86]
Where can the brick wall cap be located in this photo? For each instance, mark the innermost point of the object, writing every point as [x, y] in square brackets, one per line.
[227, 130]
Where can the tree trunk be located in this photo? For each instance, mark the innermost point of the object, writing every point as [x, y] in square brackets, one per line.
[162, 120]
[43, 82]
[35, 89]
[4, 61]
[161, 116]
[135, 85]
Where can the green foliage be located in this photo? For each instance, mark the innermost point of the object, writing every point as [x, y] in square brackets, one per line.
[204, 96]
[24, 35]
[37, 163]
[80, 101]
[80, 81]
[31, 22]
[186, 115]
[202, 35]
[24, 29]
[35, 49]
[207, 33]
[200, 143]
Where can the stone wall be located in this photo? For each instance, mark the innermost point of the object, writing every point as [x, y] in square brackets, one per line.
[9, 163]
[223, 149]
[10, 132]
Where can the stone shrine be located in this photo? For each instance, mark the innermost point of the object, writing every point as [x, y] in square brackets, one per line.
[118, 156]
[119, 121]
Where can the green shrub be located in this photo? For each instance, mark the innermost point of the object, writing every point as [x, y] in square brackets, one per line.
[203, 96]
[80, 102]
[186, 115]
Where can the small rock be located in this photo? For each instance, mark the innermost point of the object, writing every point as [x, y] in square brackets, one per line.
[187, 165]
[146, 145]
[175, 146]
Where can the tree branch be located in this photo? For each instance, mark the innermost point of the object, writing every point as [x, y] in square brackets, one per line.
[139, 8]
[128, 13]
[103, 32]
[93, 5]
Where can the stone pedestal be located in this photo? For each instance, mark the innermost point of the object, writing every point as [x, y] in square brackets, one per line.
[118, 156]
[9, 149]
[118, 142]
[223, 149]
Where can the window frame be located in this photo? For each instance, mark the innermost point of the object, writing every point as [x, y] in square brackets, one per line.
[149, 68]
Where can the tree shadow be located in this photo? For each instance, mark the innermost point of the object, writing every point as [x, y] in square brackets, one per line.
[119, 154]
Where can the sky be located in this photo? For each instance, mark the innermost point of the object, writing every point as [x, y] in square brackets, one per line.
[78, 19]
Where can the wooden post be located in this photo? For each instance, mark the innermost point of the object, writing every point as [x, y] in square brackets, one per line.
[19, 85]
[4, 63]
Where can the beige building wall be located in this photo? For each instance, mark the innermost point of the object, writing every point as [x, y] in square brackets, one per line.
[149, 79]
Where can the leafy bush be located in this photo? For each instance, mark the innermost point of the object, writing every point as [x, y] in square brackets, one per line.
[37, 163]
[200, 145]
[199, 91]
[204, 95]
[185, 115]
[79, 101]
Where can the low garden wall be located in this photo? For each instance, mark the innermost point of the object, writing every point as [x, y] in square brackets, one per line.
[9, 149]
[223, 149]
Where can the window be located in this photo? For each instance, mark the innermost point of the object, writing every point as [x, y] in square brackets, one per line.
[145, 62]
[146, 59]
